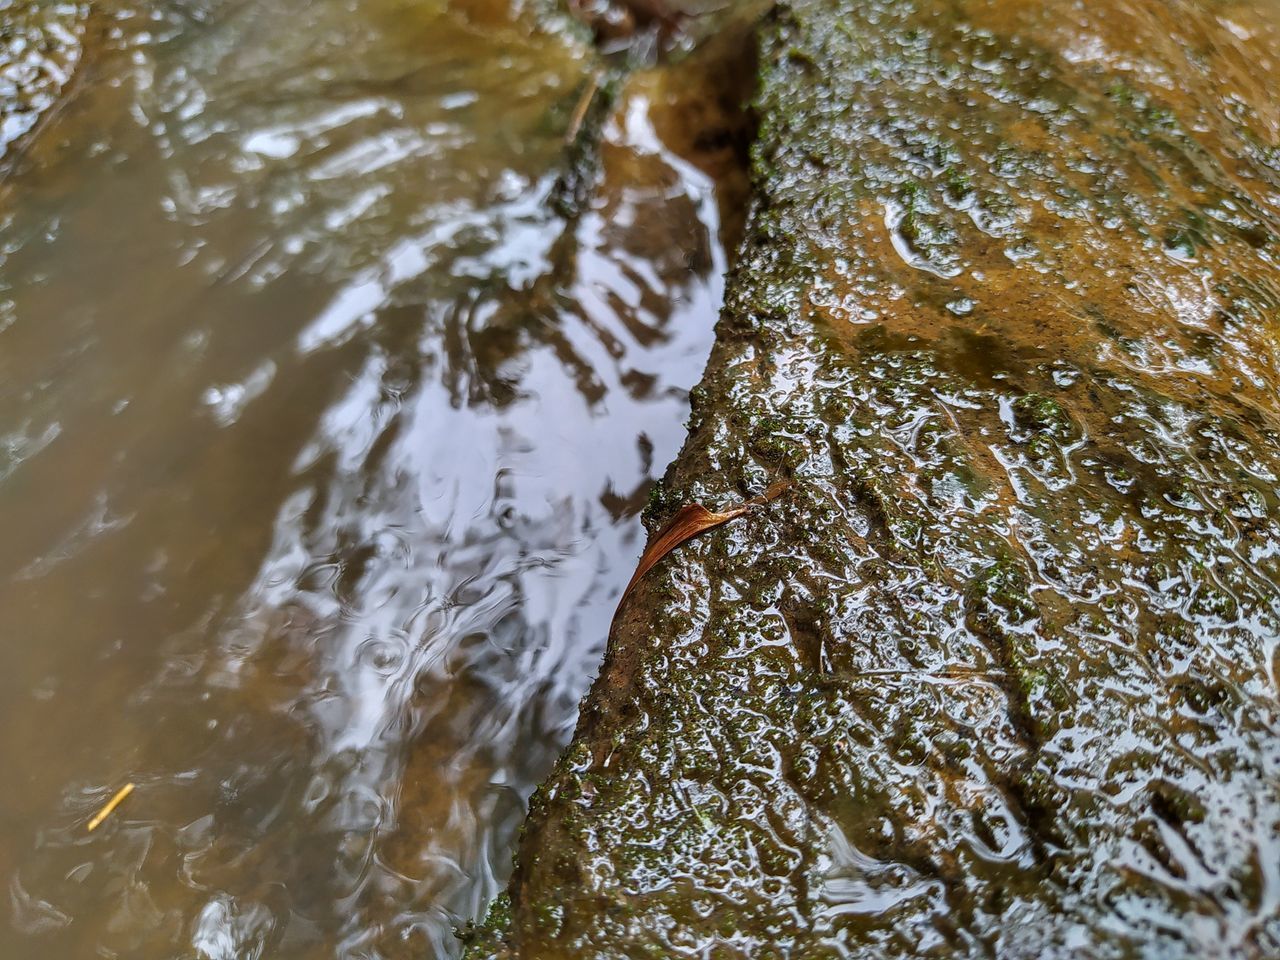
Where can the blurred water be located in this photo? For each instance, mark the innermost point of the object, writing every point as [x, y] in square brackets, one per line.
[322, 445]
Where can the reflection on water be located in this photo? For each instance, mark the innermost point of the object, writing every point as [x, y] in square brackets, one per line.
[322, 444]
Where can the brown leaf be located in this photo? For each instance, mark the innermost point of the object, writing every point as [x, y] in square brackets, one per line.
[689, 521]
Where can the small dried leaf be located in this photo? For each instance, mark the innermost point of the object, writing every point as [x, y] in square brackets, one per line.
[689, 521]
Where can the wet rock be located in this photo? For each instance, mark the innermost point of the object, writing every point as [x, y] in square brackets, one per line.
[999, 676]
[40, 46]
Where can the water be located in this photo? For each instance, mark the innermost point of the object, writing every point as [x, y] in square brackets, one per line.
[322, 445]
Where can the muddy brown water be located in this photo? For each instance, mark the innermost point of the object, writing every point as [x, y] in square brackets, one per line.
[323, 440]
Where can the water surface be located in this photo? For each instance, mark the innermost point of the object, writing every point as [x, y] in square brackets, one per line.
[323, 439]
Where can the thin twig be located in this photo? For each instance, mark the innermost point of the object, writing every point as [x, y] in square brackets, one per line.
[580, 111]
[111, 805]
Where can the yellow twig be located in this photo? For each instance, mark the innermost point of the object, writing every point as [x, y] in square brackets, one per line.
[111, 805]
[580, 111]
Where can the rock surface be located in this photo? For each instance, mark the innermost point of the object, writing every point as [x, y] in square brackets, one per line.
[998, 675]
[40, 46]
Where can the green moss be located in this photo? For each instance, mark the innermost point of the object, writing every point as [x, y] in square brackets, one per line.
[662, 504]
[959, 183]
[1040, 413]
[486, 940]
[1121, 93]
[1001, 592]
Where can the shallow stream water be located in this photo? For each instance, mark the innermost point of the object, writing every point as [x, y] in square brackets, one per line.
[323, 440]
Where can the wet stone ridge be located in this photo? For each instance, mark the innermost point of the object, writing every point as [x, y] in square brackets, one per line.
[998, 677]
[40, 45]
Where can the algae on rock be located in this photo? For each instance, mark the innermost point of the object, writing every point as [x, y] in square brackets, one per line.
[999, 676]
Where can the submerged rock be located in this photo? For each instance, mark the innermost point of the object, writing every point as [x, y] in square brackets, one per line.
[998, 676]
